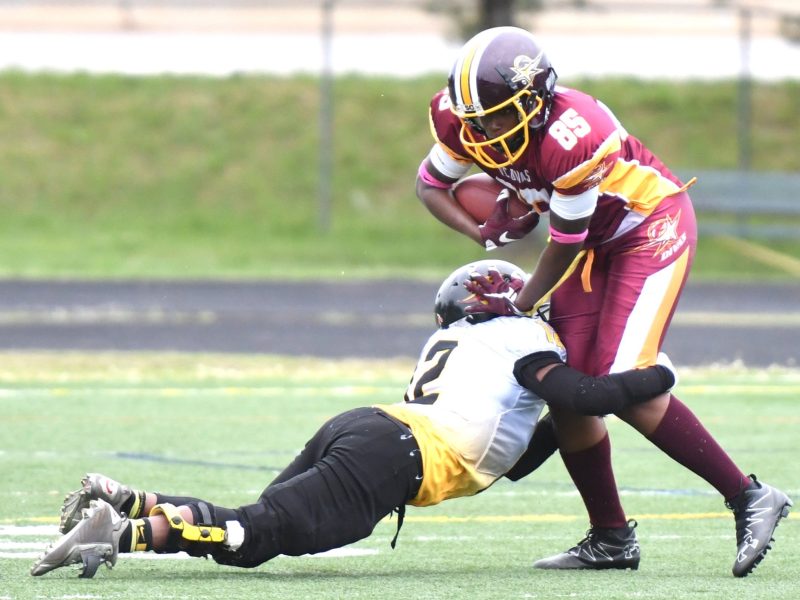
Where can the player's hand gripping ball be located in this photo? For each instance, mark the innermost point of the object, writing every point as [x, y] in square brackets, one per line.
[504, 218]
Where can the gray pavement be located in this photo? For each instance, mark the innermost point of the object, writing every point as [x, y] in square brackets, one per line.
[715, 323]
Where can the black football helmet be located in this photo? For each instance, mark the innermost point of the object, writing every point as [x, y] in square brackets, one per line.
[452, 299]
[498, 69]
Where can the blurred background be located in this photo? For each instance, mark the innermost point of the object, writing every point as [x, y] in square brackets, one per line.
[266, 140]
[741, 59]
[650, 38]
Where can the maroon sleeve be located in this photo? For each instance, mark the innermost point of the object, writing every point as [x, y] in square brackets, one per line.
[580, 145]
[445, 126]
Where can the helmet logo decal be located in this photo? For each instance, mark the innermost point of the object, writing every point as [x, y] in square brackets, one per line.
[500, 69]
[526, 68]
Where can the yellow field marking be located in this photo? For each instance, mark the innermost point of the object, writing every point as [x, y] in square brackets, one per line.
[71, 373]
[764, 255]
[743, 390]
[189, 391]
[47, 520]
[557, 518]
[747, 389]
[542, 518]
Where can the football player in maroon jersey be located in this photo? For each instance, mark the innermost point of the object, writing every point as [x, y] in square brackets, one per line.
[621, 243]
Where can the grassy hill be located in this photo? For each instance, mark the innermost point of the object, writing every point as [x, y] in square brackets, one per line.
[113, 176]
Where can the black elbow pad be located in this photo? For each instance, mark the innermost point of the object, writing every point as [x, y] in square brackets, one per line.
[564, 387]
[525, 368]
[568, 388]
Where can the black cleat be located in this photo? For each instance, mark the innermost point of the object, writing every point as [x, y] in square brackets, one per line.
[758, 509]
[601, 549]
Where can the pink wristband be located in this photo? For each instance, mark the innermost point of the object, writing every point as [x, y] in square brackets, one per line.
[568, 238]
[430, 179]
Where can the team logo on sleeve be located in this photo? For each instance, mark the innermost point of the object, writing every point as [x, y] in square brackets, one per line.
[596, 176]
[526, 68]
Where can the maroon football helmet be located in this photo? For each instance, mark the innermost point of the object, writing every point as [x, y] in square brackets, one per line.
[498, 69]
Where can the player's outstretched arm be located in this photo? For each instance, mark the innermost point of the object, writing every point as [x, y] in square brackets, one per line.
[564, 387]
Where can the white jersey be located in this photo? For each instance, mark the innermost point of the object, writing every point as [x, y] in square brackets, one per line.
[464, 404]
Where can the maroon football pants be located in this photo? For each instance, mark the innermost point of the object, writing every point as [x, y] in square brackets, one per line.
[613, 311]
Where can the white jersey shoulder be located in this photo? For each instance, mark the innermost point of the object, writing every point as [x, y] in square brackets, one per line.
[464, 383]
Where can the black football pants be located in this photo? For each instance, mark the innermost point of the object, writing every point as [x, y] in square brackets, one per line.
[358, 468]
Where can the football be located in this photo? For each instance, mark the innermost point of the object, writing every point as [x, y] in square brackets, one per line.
[477, 195]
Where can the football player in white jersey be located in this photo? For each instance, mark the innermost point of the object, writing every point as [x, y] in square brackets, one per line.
[467, 418]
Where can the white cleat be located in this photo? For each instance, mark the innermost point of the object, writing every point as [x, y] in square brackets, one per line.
[94, 541]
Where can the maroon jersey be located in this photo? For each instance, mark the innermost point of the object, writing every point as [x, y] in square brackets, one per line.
[581, 146]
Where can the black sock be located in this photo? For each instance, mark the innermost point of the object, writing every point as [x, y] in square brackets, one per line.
[133, 506]
[137, 537]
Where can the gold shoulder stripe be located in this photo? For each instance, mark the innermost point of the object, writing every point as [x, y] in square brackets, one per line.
[589, 167]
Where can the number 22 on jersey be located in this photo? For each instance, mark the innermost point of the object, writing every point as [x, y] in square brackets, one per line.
[423, 388]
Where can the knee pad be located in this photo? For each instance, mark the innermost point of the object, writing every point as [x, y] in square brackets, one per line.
[215, 529]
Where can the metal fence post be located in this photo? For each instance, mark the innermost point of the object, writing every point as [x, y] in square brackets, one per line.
[745, 90]
[326, 119]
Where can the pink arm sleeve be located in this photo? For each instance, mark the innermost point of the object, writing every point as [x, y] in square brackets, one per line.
[430, 179]
[568, 238]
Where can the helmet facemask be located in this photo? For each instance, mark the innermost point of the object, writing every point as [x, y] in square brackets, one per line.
[500, 69]
[510, 144]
